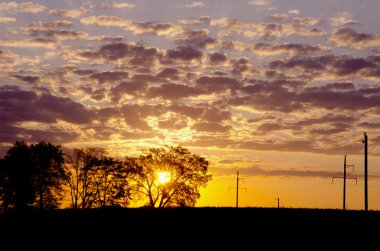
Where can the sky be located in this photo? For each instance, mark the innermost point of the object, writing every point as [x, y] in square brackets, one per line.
[279, 90]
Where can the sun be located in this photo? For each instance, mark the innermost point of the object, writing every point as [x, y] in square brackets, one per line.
[163, 177]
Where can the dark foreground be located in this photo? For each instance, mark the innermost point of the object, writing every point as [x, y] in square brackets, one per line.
[190, 226]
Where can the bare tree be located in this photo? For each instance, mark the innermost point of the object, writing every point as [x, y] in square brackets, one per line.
[169, 177]
[96, 180]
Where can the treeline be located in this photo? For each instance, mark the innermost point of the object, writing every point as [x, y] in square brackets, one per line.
[40, 175]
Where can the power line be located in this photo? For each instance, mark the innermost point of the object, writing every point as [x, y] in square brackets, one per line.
[237, 188]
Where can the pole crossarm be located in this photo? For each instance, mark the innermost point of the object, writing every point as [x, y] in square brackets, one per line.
[351, 178]
[345, 166]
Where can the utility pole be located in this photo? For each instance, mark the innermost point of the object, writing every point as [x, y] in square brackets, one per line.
[278, 202]
[344, 180]
[365, 141]
[237, 188]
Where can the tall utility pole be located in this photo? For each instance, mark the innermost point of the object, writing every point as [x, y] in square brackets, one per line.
[344, 180]
[237, 188]
[365, 141]
[278, 202]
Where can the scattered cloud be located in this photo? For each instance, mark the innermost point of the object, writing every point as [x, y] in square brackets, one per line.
[30, 43]
[25, 7]
[257, 2]
[68, 13]
[294, 12]
[268, 83]
[343, 18]
[123, 5]
[305, 20]
[7, 19]
[279, 16]
[350, 38]
[29, 7]
[292, 172]
[195, 5]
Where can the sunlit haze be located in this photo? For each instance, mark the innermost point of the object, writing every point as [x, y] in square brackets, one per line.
[277, 90]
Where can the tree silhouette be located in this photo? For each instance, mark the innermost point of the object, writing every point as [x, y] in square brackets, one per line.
[96, 180]
[32, 176]
[112, 182]
[16, 183]
[49, 174]
[185, 174]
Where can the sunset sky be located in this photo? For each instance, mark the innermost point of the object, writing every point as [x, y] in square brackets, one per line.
[280, 90]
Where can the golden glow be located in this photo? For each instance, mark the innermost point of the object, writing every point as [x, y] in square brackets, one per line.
[163, 177]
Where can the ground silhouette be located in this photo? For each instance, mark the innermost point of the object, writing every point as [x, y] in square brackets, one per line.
[284, 227]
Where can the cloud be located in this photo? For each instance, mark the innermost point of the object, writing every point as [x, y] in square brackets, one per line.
[68, 13]
[25, 7]
[331, 66]
[197, 38]
[154, 28]
[29, 7]
[195, 5]
[265, 30]
[217, 84]
[193, 112]
[105, 21]
[294, 12]
[52, 134]
[184, 53]
[330, 131]
[257, 2]
[109, 76]
[305, 20]
[135, 86]
[173, 123]
[291, 172]
[172, 91]
[9, 59]
[279, 16]
[174, 32]
[351, 101]
[134, 115]
[169, 73]
[122, 52]
[268, 97]
[28, 79]
[7, 19]
[211, 127]
[326, 119]
[196, 21]
[308, 145]
[217, 58]
[286, 48]
[52, 24]
[19, 106]
[350, 38]
[55, 33]
[30, 43]
[239, 66]
[123, 5]
[7, 6]
[343, 18]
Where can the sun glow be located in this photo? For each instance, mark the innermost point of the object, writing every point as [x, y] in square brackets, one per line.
[163, 177]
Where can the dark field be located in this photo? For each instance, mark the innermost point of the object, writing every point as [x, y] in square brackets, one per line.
[191, 226]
